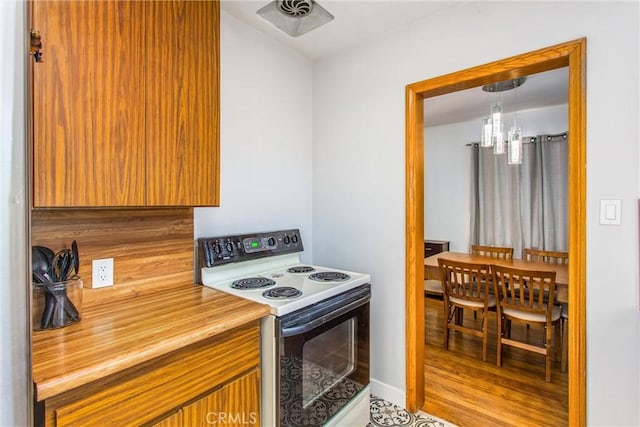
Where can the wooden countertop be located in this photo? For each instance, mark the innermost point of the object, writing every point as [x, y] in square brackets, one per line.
[121, 334]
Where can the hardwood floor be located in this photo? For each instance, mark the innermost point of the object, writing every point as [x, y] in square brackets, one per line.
[462, 389]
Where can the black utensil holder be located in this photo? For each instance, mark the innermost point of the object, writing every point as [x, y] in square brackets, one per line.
[56, 305]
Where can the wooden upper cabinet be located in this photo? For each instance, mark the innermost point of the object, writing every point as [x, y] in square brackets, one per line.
[125, 103]
[182, 108]
[88, 114]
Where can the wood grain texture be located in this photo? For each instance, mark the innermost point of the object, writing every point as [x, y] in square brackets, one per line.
[571, 54]
[88, 104]
[561, 270]
[140, 395]
[182, 120]
[414, 218]
[152, 248]
[119, 335]
[466, 287]
[577, 234]
[554, 257]
[236, 404]
[492, 251]
[175, 420]
[510, 68]
[466, 391]
[126, 104]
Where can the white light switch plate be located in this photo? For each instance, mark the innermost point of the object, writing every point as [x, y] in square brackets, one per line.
[610, 212]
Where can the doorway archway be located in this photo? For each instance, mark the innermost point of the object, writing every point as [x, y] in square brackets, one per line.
[571, 55]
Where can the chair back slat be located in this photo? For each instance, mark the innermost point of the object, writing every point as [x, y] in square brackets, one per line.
[524, 290]
[551, 257]
[492, 251]
[520, 295]
[468, 281]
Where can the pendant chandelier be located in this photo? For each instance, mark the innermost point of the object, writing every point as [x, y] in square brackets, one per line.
[493, 124]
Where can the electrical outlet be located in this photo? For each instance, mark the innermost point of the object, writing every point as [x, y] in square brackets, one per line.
[102, 270]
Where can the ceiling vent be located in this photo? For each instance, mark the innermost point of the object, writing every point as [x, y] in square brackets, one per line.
[295, 8]
[295, 17]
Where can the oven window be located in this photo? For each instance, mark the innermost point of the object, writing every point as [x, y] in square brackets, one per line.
[328, 359]
[323, 362]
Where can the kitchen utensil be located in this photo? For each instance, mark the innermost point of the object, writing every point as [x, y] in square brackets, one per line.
[63, 264]
[40, 268]
[59, 310]
[65, 299]
[46, 255]
[76, 256]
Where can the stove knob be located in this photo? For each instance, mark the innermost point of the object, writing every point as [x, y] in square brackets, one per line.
[217, 248]
[294, 238]
[229, 247]
[271, 241]
[286, 240]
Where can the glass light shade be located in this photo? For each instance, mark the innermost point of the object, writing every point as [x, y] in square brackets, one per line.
[295, 19]
[499, 144]
[500, 147]
[487, 130]
[514, 154]
[497, 133]
[496, 117]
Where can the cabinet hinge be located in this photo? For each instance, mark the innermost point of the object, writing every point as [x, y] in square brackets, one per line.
[36, 45]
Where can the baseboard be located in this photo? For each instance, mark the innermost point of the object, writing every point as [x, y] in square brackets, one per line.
[389, 393]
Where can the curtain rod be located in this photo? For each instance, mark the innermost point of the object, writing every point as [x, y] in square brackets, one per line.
[559, 137]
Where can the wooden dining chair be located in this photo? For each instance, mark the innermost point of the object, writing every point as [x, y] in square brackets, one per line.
[526, 304]
[465, 287]
[499, 252]
[554, 257]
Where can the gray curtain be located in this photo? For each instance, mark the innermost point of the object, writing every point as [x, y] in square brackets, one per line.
[525, 205]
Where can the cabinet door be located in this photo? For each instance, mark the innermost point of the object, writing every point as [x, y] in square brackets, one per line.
[88, 104]
[174, 420]
[182, 103]
[235, 404]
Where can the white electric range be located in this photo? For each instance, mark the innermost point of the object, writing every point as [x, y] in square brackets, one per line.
[281, 282]
[315, 343]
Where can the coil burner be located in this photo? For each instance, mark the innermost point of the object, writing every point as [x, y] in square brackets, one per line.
[329, 276]
[252, 283]
[301, 269]
[282, 292]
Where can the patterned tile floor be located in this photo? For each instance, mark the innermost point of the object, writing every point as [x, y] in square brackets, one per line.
[386, 414]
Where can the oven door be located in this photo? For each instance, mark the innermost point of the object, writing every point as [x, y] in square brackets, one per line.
[323, 354]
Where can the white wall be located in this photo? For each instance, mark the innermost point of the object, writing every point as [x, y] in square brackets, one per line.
[265, 168]
[359, 131]
[447, 171]
[265, 138]
[14, 334]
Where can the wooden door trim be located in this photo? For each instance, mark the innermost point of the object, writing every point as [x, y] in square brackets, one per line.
[572, 55]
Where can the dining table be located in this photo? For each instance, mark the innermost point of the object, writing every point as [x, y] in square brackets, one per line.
[432, 270]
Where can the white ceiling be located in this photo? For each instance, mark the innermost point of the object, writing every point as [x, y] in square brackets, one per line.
[357, 22]
[538, 91]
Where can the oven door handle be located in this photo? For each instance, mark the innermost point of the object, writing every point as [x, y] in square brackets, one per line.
[308, 326]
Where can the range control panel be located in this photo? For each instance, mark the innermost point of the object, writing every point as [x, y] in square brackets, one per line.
[214, 251]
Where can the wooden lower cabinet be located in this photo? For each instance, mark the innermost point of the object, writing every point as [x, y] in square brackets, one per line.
[175, 420]
[235, 404]
[215, 378]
